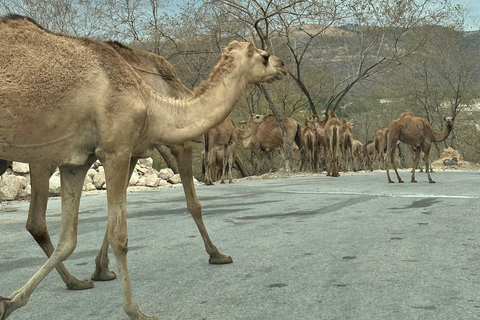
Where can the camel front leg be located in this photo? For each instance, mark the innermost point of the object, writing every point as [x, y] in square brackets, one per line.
[71, 187]
[426, 159]
[184, 157]
[116, 173]
[37, 226]
[102, 271]
[416, 160]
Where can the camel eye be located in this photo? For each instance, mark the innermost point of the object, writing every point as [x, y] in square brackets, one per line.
[265, 58]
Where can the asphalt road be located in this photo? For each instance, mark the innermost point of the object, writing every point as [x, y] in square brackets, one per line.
[353, 247]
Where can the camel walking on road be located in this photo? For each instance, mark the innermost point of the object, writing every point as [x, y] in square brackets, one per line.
[67, 101]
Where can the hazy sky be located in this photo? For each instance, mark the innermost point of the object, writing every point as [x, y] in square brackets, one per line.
[473, 19]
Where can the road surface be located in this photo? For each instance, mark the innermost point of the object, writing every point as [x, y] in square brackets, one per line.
[315, 247]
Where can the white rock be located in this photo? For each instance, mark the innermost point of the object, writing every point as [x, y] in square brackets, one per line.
[141, 182]
[54, 184]
[166, 174]
[10, 187]
[148, 162]
[134, 178]
[91, 172]
[151, 180]
[162, 183]
[175, 179]
[99, 179]
[20, 167]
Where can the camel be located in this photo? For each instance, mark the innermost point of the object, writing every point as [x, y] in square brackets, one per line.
[369, 154]
[267, 136]
[346, 144]
[161, 76]
[67, 101]
[222, 136]
[417, 132]
[320, 140]
[357, 149]
[307, 149]
[332, 134]
[380, 140]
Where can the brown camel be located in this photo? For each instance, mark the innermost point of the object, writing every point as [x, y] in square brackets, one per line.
[332, 134]
[357, 149]
[307, 148]
[369, 154]
[380, 140]
[320, 141]
[267, 136]
[67, 101]
[222, 136]
[159, 74]
[346, 144]
[417, 132]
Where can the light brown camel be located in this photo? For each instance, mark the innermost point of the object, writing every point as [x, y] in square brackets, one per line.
[267, 136]
[346, 144]
[222, 136]
[369, 154]
[161, 76]
[332, 134]
[380, 140]
[417, 132]
[320, 141]
[307, 148]
[357, 149]
[67, 101]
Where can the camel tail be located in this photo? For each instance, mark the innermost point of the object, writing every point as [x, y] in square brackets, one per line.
[334, 137]
[298, 136]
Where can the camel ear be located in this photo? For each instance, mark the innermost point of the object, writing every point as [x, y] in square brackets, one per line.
[251, 48]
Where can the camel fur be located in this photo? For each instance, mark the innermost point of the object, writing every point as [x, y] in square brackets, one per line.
[417, 132]
[67, 101]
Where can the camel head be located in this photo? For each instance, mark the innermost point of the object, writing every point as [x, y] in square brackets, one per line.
[261, 66]
[449, 121]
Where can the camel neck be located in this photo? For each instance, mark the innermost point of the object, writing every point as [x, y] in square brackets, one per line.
[177, 121]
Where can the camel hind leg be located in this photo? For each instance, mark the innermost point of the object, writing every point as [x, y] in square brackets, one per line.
[426, 159]
[72, 178]
[416, 160]
[183, 155]
[37, 226]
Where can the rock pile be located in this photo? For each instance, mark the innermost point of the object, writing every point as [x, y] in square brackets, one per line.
[451, 159]
[15, 183]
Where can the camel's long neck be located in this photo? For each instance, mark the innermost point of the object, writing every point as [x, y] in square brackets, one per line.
[176, 121]
[439, 136]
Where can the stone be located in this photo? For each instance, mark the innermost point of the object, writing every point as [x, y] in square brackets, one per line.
[10, 187]
[151, 180]
[165, 174]
[20, 167]
[54, 184]
[134, 178]
[175, 179]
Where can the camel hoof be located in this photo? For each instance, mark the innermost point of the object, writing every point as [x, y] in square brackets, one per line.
[390, 181]
[431, 181]
[414, 181]
[401, 181]
[80, 285]
[4, 310]
[220, 259]
[103, 275]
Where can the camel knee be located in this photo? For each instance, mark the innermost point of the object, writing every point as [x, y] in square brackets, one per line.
[38, 231]
[119, 243]
[65, 249]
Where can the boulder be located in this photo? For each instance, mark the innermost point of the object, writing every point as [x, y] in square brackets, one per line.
[166, 174]
[11, 187]
[175, 179]
[20, 167]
